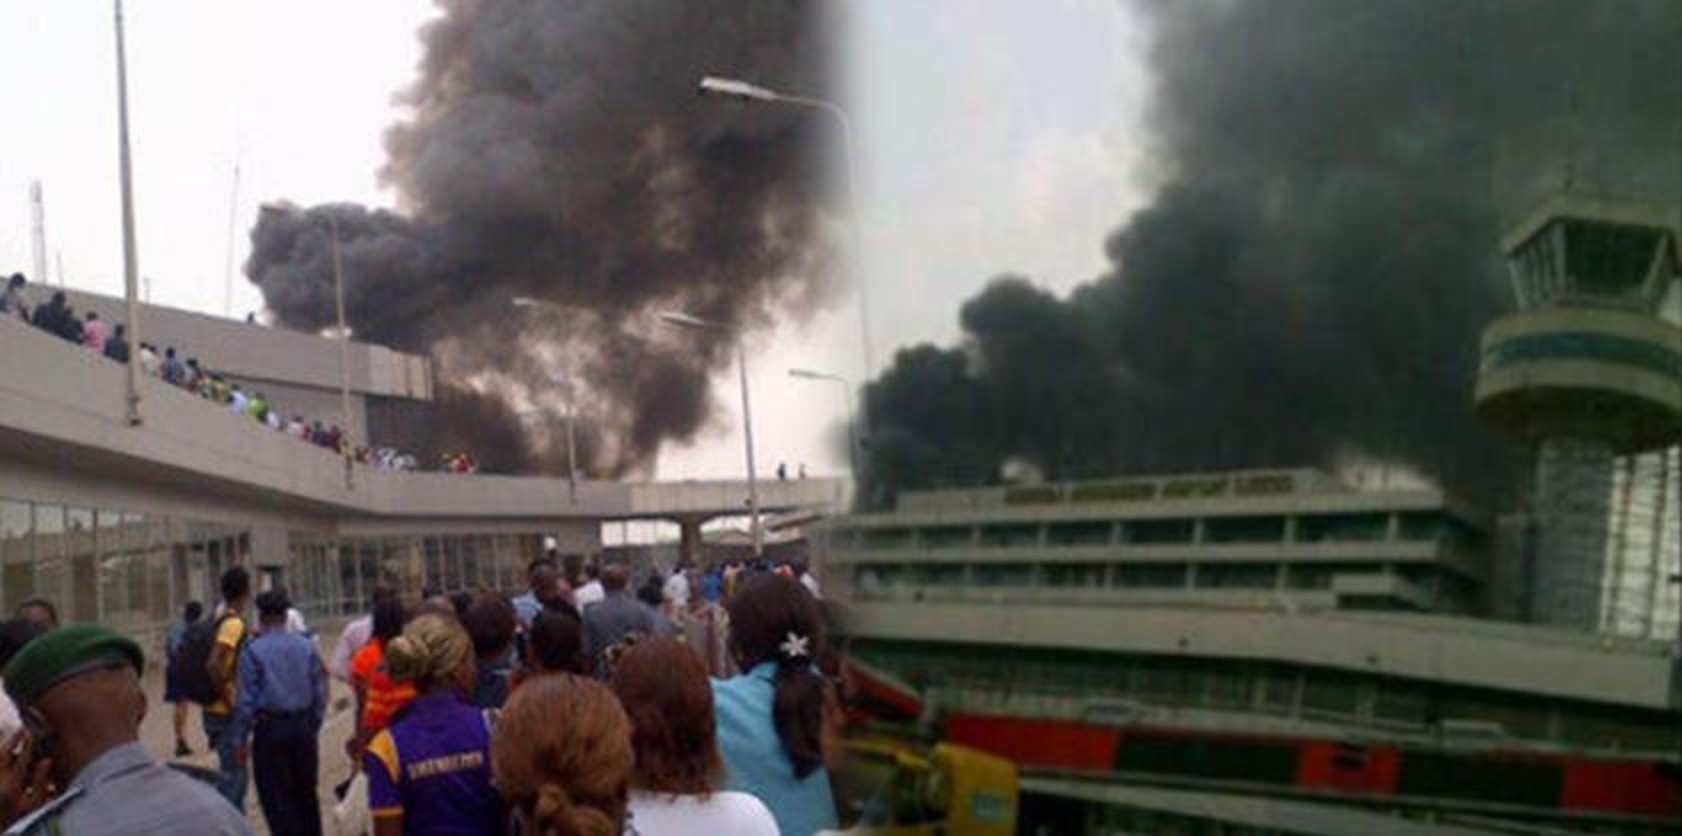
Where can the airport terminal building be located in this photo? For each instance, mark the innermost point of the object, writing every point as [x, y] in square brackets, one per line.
[121, 524]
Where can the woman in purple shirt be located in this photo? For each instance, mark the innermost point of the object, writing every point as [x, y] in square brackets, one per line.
[429, 772]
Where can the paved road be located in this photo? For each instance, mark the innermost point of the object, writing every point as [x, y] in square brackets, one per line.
[158, 734]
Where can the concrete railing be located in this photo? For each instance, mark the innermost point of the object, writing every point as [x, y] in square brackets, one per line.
[65, 404]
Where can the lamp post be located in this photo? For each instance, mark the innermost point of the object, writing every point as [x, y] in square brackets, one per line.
[852, 415]
[731, 88]
[131, 265]
[346, 450]
[683, 320]
[567, 389]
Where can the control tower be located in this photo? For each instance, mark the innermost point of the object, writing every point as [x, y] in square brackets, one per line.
[1585, 370]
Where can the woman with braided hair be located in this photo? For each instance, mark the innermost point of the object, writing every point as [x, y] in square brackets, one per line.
[429, 771]
[562, 758]
[771, 717]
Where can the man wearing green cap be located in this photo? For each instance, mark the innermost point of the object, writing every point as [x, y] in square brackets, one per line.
[78, 690]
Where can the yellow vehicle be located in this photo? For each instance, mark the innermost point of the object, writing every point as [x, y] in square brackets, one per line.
[895, 788]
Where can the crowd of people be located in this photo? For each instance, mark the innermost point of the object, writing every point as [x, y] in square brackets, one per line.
[57, 316]
[578, 707]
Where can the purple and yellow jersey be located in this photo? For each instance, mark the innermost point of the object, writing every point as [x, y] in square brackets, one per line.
[432, 766]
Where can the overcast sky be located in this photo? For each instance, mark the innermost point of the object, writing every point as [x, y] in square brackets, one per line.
[994, 136]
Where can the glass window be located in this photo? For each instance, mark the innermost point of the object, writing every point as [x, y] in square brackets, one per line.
[937, 574]
[346, 574]
[453, 574]
[1318, 528]
[1268, 529]
[1163, 680]
[1236, 575]
[432, 562]
[945, 536]
[396, 561]
[886, 538]
[50, 550]
[17, 552]
[1009, 574]
[1079, 533]
[1310, 575]
[163, 594]
[1149, 575]
[82, 602]
[485, 553]
[113, 562]
[1421, 525]
[1083, 575]
[1279, 689]
[1226, 686]
[869, 581]
[1330, 693]
[1006, 536]
[1146, 532]
[1398, 702]
[1608, 260]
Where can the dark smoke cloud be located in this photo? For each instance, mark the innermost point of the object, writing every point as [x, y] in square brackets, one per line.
[1312, 276]
[558, 150]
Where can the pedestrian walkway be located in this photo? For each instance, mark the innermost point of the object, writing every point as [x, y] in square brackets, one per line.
[159, 735]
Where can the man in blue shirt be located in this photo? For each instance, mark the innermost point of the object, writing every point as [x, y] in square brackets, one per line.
[544, 576]
[282, 697]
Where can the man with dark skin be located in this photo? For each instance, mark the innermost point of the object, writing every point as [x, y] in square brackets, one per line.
[80, 692]
[39, 610]
[224, 655]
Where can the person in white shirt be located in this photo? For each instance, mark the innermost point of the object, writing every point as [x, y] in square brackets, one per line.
[808, 580]
[355, 635]
[591, 590]
[148, 360]
[237, 400]
[14, 634]
[662, 685]
[677, 587]
[295, 623]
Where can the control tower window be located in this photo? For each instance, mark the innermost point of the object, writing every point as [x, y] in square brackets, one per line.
[1607, 260]
[1537, 272]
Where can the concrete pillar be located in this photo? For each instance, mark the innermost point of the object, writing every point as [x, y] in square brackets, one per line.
[689, 539]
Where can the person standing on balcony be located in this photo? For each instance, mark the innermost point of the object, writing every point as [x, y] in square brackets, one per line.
[116, 348]
[95, 333]
[12, 301]
[174, 373]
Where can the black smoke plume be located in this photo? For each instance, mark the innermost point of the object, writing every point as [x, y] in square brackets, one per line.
[558, 150]
[1311, 278]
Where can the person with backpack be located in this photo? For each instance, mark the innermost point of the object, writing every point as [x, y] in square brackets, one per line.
[173, 691]
[209, 656]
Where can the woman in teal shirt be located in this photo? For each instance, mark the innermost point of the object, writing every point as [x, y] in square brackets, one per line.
[770, 718]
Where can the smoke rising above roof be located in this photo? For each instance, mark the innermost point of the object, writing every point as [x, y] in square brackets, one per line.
[558, 150]
[1311, 279]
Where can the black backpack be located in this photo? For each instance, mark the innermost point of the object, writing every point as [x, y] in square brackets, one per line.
[192, 661]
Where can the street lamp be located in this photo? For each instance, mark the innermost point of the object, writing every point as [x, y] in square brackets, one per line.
[847, 397]
[571, 396]
[683, 320]
[731, 88]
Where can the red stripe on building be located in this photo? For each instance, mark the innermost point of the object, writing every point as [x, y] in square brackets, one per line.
[1326, 765]
[1620, 787]
[1048, 743]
